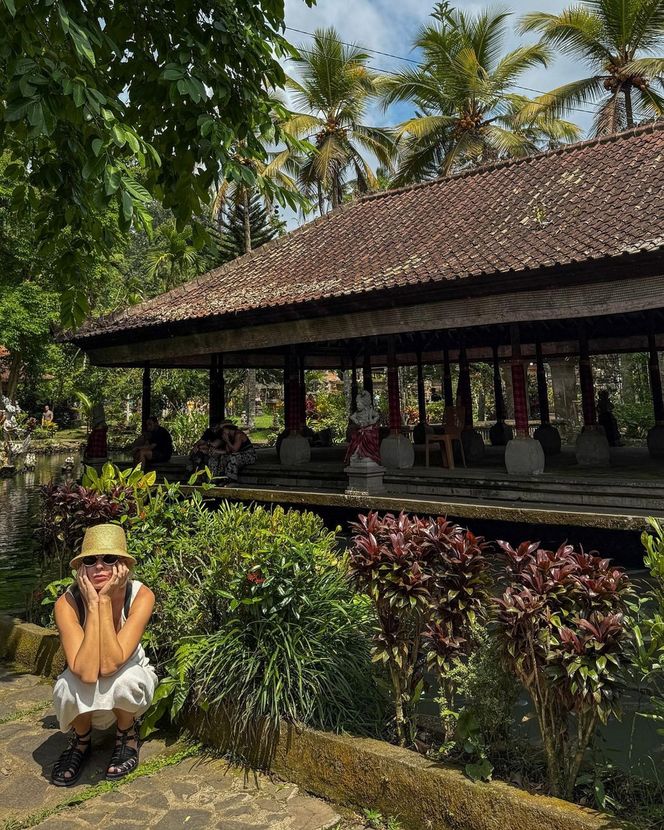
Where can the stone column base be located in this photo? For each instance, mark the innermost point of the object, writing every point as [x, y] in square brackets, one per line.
[656, 441]
[524, 457]
[549, 438]
[397, 452]
[500, 434]
[365, 476]
[473, 445]
[295, 450]
[592, 447]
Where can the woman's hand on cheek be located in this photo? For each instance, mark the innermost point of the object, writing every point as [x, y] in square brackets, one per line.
[117, 581]
[88, 592]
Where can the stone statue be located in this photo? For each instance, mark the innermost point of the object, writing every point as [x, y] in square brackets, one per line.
[364, 438]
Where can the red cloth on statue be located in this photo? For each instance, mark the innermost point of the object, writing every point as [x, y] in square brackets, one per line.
[365, 442]
[97, 445]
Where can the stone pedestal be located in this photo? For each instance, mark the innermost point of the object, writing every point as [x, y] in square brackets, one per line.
[500, 433]
[549, 438]
[365, 476]
[592, 447]
[656, 441]
[524, 457]
[473, 446]
[397, 452]
[295, 450]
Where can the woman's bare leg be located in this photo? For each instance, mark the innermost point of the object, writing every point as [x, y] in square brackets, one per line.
[81, 725]
[125, 721]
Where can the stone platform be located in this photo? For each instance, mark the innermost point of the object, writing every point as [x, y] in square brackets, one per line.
[171, 789]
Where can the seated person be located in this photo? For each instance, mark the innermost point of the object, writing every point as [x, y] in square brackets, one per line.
[236, 452]
[108, 678]
[199, 456]
[97, 446]
[159, 447]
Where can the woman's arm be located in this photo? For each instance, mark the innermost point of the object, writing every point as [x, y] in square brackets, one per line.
[237, 442]
[117, 647]
[80, 645]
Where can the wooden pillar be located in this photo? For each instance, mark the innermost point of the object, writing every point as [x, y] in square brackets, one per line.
[217, 400]
[499, 398]
[464, 392]
[586, 381]
[519, 388]
[303, 392]
[353, 383]
[448, 393]
[421, 400]
[292, 402]
[285, 381]
[393, 403]
[542, 389]
[146, 397]
[367, 374]
[655, 381]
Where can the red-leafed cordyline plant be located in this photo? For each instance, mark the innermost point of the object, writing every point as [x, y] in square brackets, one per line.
[427, 581]
[561, 622]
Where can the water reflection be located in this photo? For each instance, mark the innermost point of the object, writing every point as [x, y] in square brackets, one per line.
[19, 512]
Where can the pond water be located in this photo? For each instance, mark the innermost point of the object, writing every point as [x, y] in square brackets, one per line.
[19, 509]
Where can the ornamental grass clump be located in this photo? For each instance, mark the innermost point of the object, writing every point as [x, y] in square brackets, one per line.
[427, 580]
[562, 625]
[269, 628]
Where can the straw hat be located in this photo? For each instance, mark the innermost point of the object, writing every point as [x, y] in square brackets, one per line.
[102, 540]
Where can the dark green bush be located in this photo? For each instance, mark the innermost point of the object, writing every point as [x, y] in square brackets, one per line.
[267, 626]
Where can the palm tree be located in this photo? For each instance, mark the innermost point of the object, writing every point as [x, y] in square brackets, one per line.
[331, 97]
[466, 113]
[269, 179]
[173, 258]
[617, 39]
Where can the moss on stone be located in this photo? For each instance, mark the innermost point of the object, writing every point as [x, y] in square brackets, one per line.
[31, 647]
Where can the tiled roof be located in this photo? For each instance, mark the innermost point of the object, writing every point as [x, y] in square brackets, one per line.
[600, 198]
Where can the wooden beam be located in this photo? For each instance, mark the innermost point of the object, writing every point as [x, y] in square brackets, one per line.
[568, 303]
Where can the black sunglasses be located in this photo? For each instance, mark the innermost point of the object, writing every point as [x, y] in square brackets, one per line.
[109, 559]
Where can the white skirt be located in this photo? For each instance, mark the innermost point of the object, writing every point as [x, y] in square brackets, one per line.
[131, 689]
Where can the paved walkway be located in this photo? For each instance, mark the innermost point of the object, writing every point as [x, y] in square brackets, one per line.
[172, 790]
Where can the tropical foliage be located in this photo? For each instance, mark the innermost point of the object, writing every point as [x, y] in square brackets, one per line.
[622, 44]
[563, 626]
[467, 111]
[427, 581]
[120, 104]
[331, 95]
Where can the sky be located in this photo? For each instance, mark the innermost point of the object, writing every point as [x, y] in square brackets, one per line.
[391, 26]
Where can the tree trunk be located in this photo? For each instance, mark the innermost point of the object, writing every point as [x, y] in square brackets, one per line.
[629, 112]
[321, 200]
[247, 228]
[15, 367]
[563, 380]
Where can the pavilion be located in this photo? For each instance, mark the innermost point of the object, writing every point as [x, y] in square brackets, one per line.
[559, 254]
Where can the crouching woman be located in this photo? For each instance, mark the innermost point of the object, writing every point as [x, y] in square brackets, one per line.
[108, 678]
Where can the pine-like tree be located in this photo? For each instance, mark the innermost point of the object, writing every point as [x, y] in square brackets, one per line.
[264, 225]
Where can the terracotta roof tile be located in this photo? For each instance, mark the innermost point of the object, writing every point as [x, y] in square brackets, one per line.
[600, 198]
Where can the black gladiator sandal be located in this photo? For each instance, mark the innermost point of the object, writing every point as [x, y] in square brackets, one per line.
[72, 760]
[124, 758]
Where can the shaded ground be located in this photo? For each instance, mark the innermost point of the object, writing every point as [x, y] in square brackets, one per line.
[172, 789]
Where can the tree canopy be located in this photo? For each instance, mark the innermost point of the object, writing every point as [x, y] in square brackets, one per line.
[93, 96]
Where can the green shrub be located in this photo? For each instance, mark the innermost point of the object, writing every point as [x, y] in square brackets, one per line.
[186, 429]
[267, 626]
[650, 632]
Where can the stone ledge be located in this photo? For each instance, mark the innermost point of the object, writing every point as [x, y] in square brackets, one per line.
[31, 647]
[365, 773]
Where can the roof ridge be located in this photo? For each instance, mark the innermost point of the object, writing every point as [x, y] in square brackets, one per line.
[489, 167]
